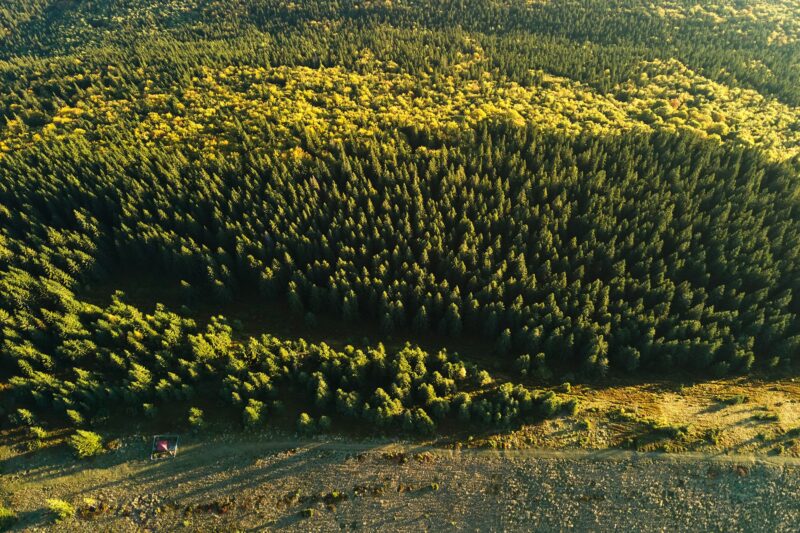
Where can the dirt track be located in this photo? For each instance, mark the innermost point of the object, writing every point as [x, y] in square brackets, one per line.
[252, 484]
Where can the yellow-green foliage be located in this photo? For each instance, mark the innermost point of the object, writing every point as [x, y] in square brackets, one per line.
[86, 444]
[672, 96]
[782, 15]
[60, 509]
[331, 104]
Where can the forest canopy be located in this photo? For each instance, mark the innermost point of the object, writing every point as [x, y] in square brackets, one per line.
[592, 188]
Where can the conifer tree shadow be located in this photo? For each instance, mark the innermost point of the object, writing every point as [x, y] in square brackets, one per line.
[58, 461]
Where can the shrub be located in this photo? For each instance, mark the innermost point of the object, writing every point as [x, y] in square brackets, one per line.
[714, 435]
[196, 418]
[630, 358]
[464, 412]
[766, 417]
[484, 378]
[439, 408]
[37, 432]
[571, 406]
[522, 364]
[305, 424]
[24, 417]
[75, 417]
[37, 436]
[253, 413]
[549, 406]
[86, 444]
[324, 423]
[422, 422]
[60, 509]
[539, 368]
[308, 513]
[738, 399]
[7, 518]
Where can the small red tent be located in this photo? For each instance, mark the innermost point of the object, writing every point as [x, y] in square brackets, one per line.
[164, 446]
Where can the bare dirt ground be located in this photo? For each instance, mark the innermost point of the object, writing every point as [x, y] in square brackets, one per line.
[250, 483]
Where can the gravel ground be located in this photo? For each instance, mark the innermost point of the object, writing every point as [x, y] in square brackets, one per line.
[255, 486]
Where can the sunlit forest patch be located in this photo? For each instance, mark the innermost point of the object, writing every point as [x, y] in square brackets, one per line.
[215, 107]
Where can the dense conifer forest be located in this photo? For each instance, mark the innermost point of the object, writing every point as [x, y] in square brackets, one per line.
[595, 188]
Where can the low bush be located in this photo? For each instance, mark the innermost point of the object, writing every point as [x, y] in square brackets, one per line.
[24, 417]
[253, 413]
[37, 436]
[37, 432]
[60, 509]
[571, 406]
[196, 420]
[738, 399]
[305, 424]
[75, 417]
[766, 417]
[86, 444]
[714, 435]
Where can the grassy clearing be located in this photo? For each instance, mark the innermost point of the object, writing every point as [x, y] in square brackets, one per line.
[754, 417]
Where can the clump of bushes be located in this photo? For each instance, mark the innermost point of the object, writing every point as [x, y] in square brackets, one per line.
[86, 444]
[60, 509]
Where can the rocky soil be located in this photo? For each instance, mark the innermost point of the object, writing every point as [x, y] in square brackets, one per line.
[341, 486]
